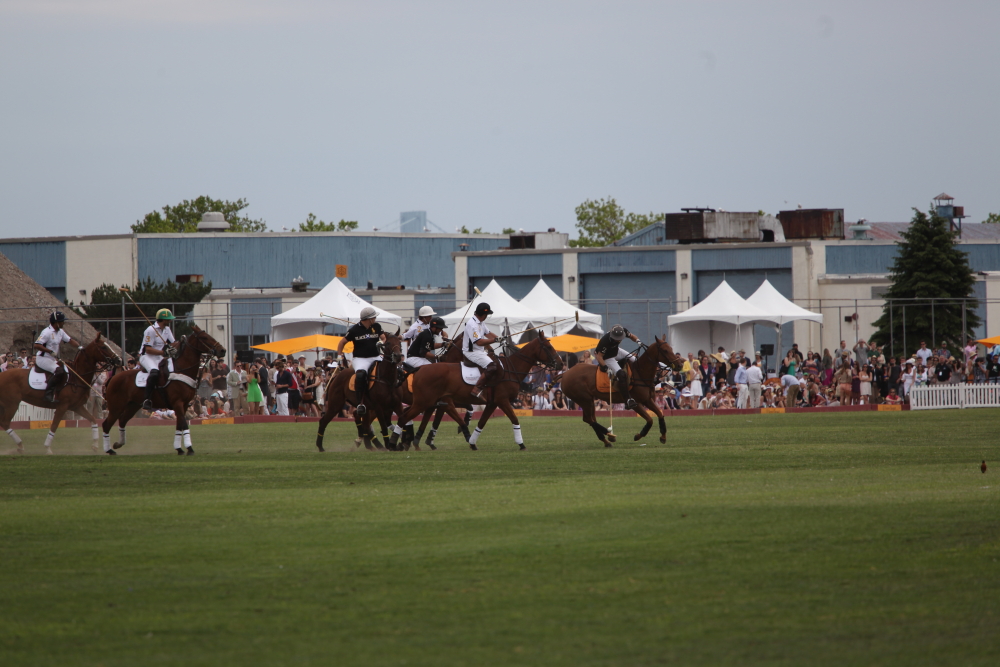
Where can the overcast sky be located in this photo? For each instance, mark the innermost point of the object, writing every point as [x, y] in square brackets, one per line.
[491, 114]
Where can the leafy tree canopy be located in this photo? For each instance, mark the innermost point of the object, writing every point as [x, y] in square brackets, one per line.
[507, 230]
[929, 265]
[992, 218]
[603, 222]
[184, 217]
[312, 224]
[106, 306]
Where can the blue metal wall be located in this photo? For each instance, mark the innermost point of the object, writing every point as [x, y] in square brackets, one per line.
[736, 258]
[233, 260]
[860, 258]
[253, 316]
[640, 302]
[519, 286]
[640, 261]
[43, 261]
[745, 283]
[653, 234]
[491, 266]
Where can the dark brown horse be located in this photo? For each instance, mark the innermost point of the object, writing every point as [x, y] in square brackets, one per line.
[14, 388]
[580, 384]
[380, 399]
[174, 392]
[451, 355]
[439, 381]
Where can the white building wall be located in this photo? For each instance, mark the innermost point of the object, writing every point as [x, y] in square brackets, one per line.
[93, 262]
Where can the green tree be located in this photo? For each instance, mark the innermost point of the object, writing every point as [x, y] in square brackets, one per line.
[929, 265]
[507, 230]
[463, 230]
[603, 222]
[184, 217]
[106, 305]
[992, 218]
[312, 224]
[477, 230]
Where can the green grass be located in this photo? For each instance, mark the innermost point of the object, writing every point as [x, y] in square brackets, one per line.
[827, 539]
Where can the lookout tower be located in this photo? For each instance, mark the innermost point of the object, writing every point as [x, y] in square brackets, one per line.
[946, 208]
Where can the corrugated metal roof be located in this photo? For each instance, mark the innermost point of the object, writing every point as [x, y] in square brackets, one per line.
[893, 231]
[654, 234]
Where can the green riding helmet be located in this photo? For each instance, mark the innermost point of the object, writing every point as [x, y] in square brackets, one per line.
[164, 314]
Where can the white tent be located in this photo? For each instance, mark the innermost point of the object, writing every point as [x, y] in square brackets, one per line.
[723, 318]
[335, 299]
[542, 299]
[504, 307]
[784, 311]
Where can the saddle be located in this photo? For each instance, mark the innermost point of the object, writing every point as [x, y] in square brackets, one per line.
[37, 378]
[371, 381]
[166, 369]
[604, 384]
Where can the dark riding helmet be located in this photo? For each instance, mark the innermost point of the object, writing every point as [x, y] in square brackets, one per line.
[57, 317]
[437, 322]
[484, 308]
[617, 333]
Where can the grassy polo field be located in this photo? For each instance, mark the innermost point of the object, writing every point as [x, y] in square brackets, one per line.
[819, 539]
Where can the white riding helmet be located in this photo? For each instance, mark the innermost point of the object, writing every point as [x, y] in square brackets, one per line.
[367, 313]
[426, 311]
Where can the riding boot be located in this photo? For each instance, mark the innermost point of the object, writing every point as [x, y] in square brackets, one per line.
[360, 389]
[404, 372]
[621, 377]
[55, 381]
[485, 376]
[151, 381]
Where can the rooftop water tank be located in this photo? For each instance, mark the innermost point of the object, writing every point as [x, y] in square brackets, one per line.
[213, 222]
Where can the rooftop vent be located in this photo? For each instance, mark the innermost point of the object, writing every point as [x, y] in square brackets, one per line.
[213, 222]
[299, 285]
[859, 232]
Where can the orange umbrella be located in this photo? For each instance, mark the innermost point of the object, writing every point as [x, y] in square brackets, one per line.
[314, 342]
[571, 343]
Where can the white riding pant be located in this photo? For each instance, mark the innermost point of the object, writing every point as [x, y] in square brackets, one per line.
[613, 363]
[47, 363]
[363, 363]
[478, 356]
[416, 362]
[150, 361]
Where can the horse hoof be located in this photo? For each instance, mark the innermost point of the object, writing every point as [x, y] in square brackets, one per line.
[431, 446]
[118, 445]
[320, 448]
[608, 444]
[663, 439]
[112, 452]
[473, 447]
[357, 442]
[523, 447]
[95, 448]
[637, 436]
[48, 450]
[611, 437]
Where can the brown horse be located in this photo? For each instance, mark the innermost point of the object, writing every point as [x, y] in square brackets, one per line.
[96, 356]
[380, 399]
[580, 384]
[175, 391]
[438, 381]
[451, 355]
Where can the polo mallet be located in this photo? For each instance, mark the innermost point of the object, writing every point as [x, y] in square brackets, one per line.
[548, 324]
[339, 319]
[466, 313]
[611, 407]
[125, 291]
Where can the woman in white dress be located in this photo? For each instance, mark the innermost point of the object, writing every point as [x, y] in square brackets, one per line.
[696, 389]
[909, 377]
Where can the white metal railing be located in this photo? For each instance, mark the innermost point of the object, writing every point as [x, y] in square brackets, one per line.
[26, 413]
[939, 397]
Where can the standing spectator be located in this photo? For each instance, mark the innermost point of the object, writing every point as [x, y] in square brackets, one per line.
[942, 372]
[909, 376]
[219, 373]
[827, 366]
[865, 384]
[842, 378]
[234, 387]
[310, 386]
[205, 381]
[755, 377]
[970, 354]
[741, 384]
[993, 369]
[254, 394]
[861, 353]
[559, 401]
[942, 351]
[295, 392]
[282, 384]
[923, 353]
[264, 384]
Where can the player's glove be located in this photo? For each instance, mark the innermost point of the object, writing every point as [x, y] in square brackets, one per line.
[603, 368]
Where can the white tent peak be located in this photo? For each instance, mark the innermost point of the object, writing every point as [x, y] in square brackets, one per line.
[504, 307]
[723, 305]
[768, 298]
[337, 300]
[543, 300]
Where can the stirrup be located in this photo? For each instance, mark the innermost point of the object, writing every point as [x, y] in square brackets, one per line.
[631, 404]
[361, 409]
[147, 404]
[50, 395]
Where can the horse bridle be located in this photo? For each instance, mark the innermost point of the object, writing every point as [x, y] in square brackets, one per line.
[508, 346]
[212, 353]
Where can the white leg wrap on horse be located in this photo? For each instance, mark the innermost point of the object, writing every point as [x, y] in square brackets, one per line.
[107, 442]
[94, 431]
[49, 438]
[475, 436]
[397, 430]
[187, 438]
[121, 434]
[14, 436]
[517, 435]
[409, 423]
[177, 439]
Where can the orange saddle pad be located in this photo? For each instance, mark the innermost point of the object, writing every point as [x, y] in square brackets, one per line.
[604, 384]
[409, 382]
[371, 380]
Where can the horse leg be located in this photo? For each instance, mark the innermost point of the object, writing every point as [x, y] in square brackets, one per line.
[590, 417]
[641, 409]
[5, 424]
[123, 419]
[397, 430]
[82, 410]
[438, 415]
[423, 426]
[56, 418]
[659, 416]
[487, 412]
[183, 432]
[323, 421]
[508, 410]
